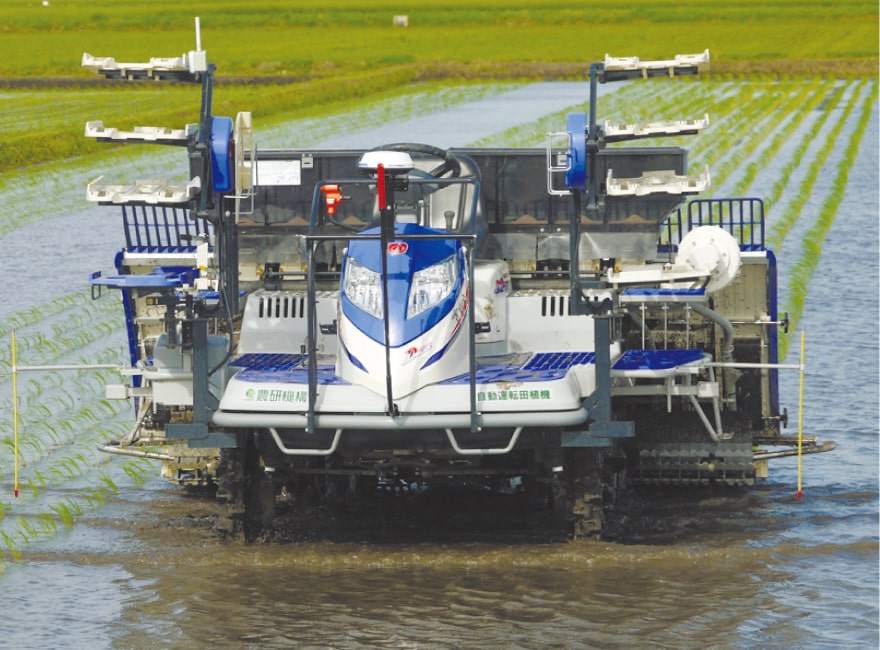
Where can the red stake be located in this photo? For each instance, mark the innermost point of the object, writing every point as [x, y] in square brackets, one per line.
[380, 186]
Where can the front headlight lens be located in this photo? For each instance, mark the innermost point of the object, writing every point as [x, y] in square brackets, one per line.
[431, 285]
[363, 287]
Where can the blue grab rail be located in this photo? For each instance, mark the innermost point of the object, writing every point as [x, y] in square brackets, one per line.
[741, 217]
[159, 229]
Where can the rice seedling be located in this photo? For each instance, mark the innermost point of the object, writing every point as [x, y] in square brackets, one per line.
[109, 483]
[9, 546]
[62, 510]
[139, 471]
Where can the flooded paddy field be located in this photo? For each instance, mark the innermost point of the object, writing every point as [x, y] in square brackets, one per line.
[100, 552]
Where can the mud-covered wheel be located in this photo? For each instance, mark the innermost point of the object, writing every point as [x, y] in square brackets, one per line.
[245, 491]
[587, 509]
[578, 502]
[335, 488]
[230, 493]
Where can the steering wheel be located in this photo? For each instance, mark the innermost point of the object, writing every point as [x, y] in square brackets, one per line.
[451, 164]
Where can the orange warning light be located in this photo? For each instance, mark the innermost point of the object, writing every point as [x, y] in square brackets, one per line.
[332, 196]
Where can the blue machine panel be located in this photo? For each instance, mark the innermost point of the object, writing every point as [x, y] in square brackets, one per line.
[656, 359]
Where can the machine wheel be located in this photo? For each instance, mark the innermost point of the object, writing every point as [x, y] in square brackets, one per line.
[245, 491]
[578, 494]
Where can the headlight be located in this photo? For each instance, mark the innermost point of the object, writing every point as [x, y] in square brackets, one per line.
[363, 287]
[431, 285]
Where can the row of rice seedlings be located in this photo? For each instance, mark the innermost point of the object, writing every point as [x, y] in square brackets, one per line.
[732, 114]
[54, 394]
[725, 104]
[677, 99]
[44, 348]
[79, 390]
[813, 94]
[64, 475]
[728, 114]
[48, 439]
[808, 141]
[786, 111]
[833, 96]
[738, 144]
[721, 100]
[60, 510]
[620, 102]
[782, 136]
[73, 400]
[68, 467]
[650, 100]
[803, 269]
[68, 471]
[60, 183]
[41, 340]
[80, 320]
[730, 108]
[37, 385]
[408, 103]
[68, 508]
[702, 97]
[36, 391]
[59, 412]
[793, 210]
[28, 530]
[79, 301]
[79, 482]
[58, 478]
[757, 101]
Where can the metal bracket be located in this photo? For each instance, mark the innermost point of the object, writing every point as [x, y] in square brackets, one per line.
[599, 434]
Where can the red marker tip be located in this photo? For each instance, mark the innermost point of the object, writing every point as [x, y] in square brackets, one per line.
[16, 494]
[800, 495]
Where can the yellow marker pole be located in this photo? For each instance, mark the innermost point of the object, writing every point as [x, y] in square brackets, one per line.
[15, 415]
[801, 419]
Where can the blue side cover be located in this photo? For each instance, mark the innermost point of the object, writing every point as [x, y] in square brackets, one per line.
[221, 157]
[576, 175]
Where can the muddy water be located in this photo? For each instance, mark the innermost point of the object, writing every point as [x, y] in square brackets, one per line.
[731, 571]
[452, 570]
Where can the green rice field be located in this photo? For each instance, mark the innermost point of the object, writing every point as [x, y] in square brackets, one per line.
[276, 37]
[283, 61]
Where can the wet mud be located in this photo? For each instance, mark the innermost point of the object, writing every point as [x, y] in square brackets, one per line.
[463, 515]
